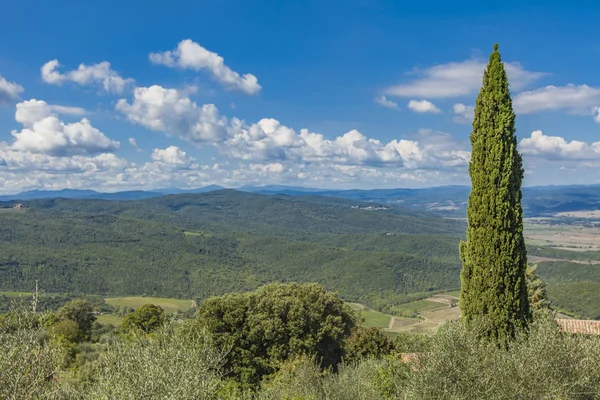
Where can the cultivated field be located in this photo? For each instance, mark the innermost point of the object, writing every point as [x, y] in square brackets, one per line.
[169, 305]
[429, 314]
[561, 236]
[595, 214]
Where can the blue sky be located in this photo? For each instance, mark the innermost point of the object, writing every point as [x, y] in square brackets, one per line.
[354, 94]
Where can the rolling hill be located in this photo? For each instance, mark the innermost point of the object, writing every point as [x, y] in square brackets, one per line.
[443, 200]
[198, 245]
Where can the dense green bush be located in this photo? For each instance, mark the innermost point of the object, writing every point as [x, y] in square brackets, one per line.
[276, 322]
[147, 319]
[367, 342]
[74, 321]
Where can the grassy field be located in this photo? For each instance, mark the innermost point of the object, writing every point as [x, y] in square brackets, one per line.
[107, 319]
[15, 294]
[169, 305]
[372, 317]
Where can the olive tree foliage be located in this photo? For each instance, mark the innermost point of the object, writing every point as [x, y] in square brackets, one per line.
[276, 322]
[174, 363]
[29, 360]
[540, 363]
[302, 378]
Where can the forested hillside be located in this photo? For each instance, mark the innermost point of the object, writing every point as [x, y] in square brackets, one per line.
[197, 245]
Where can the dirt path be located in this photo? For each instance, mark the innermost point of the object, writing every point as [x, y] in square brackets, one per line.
[534, 259]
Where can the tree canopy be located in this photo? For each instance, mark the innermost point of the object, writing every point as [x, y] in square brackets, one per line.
[277, 321]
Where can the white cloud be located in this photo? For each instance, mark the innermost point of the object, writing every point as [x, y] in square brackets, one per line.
[274, 168]
[30, 111]
[172, 156]
[190, 55]
[101, 73]
[432, 150]
[133, 143]
[172, 112]
[575, 98]
[423, 106]
[24, 161]
[556, 147]
[463, 113]
[9, 91]
[596, 114]
[457, 79]
[44, 133]
[54, 137]
[269, 140]
[385, 102]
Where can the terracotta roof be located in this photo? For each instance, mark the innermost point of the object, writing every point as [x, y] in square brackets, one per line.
[589, 327]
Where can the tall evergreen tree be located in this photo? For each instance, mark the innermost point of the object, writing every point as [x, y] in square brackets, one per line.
[494, 259]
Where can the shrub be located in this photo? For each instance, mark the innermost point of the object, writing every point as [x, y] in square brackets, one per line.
[147, 319]
[276, 322]
[29, 361]
[367, 342]
[172, 364]
[543, 363]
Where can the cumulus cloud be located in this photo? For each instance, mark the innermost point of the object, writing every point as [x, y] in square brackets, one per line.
[432, 150]
[270, 140]
[172, 156]
[30, 111]
[22, 161]
[463, 113]
[45, 133]
[556, 147]
[52, 136]
[190, 55]
[423, 106]
[274, 168]
[97, 74]
[9, 91]
[576, 98]
[172, 112]
[596, 114]
[385, 102]
[457, 79]
[133, 143]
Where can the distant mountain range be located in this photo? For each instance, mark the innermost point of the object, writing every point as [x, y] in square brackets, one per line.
[444, 200]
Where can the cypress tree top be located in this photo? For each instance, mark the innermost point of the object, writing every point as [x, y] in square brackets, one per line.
[493, 288]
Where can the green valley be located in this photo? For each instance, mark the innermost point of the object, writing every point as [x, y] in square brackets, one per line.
[200, 245]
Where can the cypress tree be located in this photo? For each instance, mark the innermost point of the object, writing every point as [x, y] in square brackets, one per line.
[494, 258]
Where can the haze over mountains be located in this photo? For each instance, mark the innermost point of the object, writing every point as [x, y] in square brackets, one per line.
[443, 200]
